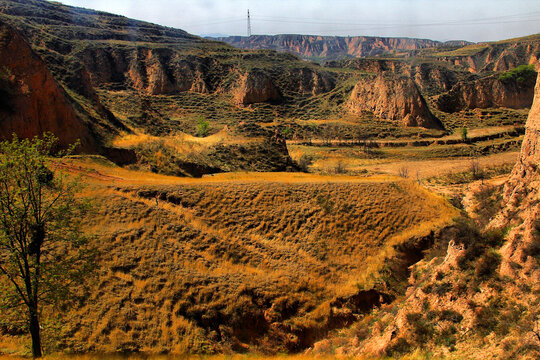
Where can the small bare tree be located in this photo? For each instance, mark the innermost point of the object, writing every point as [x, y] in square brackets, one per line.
[476, 170]
[340, 167]
[403, 172]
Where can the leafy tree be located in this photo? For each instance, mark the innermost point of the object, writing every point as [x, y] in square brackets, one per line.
[202, 126]
[464, 134]
[43, 254]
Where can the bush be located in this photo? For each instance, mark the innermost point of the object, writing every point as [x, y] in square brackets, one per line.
[340, 167]
[401, 346]
[202, 126]
[304, 162]
[403, 172]
[487, 264]
[451, 315]
[464, 134]
[443, 288]
[486, 319]
[521, 74]
[423, 329]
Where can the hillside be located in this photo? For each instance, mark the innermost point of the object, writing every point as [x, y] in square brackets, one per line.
[239, 262]
[249, 201]
[477, 293]
[32, 102]
[128, 79]
[330, 47]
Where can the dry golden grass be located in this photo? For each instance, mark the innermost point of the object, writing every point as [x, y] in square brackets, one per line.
[183, 142]
[195, 265]
[356, 161]
[417, 355]
[198, 269]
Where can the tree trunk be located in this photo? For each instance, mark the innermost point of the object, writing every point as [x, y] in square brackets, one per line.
[34, 332]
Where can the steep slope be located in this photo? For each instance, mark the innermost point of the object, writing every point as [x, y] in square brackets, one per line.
[488, 92]
[255, 87]
[328, 47]
[393, 98]
[99, 57]
[31, 102]
[496, 56]
[521, 196]
[475, 294]
[240, 262]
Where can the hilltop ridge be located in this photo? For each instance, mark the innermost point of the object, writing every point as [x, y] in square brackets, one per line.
[333, 47]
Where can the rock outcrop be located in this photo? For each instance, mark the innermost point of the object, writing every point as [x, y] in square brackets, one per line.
[485, 93]
[522, 210]
[309, 82]
[392, 98]
[32, 102]
[255, 87]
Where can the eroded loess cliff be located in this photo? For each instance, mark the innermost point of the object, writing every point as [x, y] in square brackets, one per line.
[254, 87]
[31, 100]
[154, 71]
[522, 199]
[329, 47]
[431, 78]
[487, 92]
[499, 56]
[392, 98]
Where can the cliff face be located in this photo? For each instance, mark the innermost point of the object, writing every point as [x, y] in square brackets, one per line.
[31, 100]
[430, 78]
[329, 47]
[485, 93]
[529, 158]
[501, 56]
[155, 71]
[392, 99]
[255, 87]
[521, 194]
[306, 81]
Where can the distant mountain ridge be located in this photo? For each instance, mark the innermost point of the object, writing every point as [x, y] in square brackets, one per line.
[333, 47]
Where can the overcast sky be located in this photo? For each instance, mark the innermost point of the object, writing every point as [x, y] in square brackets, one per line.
[473, 20]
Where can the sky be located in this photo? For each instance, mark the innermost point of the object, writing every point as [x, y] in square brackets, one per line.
[472, 20]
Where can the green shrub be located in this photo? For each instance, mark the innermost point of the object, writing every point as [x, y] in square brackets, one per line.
[464, 134]
[521, 74]
[202, 126]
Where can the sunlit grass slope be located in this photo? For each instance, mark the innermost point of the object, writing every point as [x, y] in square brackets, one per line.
[233, 262]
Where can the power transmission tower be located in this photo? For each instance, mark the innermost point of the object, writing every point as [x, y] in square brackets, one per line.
[248, 25]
